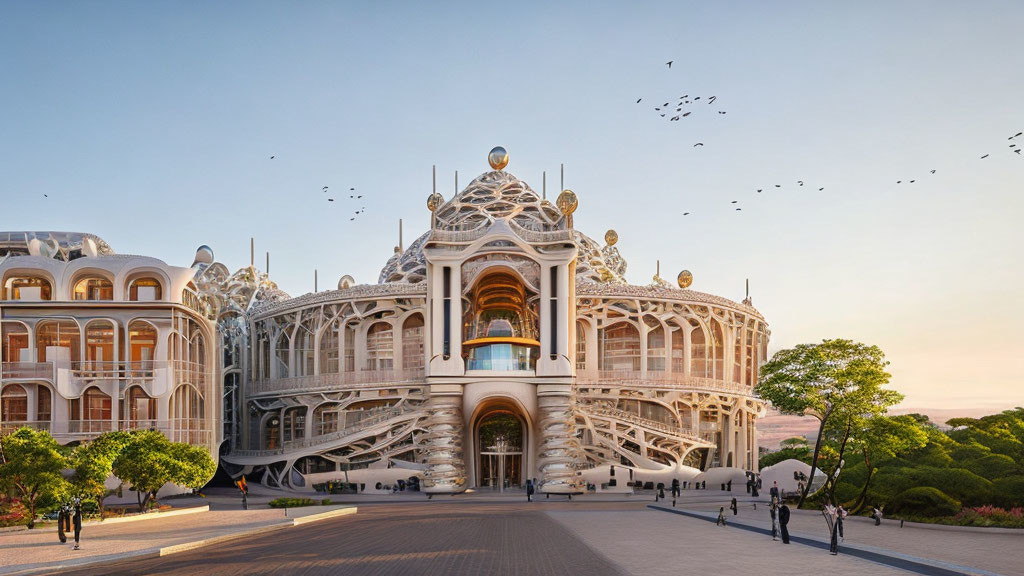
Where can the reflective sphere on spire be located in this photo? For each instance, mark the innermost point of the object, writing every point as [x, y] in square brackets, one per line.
[498, 158]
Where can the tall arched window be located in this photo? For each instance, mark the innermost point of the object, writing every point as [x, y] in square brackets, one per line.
[305, 350]
[92, 411]
[325, 419]
[350, 348]
[141, 345]
[187, 412]
[145, 289]
[15, 341]
[655, 346]
[94, 288]
[282, 351]
[679, 348]
[29, 288]
[139, 408]
[412, 343]
[380, 347]
[44, 403]
[13, 404]
[718, 350]
[620, 348]
[99, 345]
[698, 352]
[60, 334]
[581, 345]
[329, 349]
[294, 423]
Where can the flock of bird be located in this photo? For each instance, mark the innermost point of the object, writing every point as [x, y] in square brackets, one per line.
[664, 110]
[352, 196]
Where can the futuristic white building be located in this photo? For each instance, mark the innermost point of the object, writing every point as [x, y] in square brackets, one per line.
[503, 344]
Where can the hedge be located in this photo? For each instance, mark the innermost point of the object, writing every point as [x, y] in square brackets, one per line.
[923, 501]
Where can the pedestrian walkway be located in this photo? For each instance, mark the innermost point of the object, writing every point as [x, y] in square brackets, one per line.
[30, 551]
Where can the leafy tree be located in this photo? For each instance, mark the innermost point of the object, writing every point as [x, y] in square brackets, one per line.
[837, 379]
[151, 460]
[801, 453]
[794, 442]
[93, 463]
[993, 466]
[31, 463]
[885, 437]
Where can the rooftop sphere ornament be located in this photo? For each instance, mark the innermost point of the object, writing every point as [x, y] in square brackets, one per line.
[611, 237]
[498, 158]
[567, 202]
[345, 282]
[434, 201]
[684, 279]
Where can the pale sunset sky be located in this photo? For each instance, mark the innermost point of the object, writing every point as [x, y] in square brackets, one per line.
[151, 124]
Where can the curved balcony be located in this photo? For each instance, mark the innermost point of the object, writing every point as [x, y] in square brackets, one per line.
[321, 382]
[630, 378]
[26, 370]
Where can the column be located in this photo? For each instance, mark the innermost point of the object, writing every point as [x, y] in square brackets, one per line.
[558, 449]
[441, 446]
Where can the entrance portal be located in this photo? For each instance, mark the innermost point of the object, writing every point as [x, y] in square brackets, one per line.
[500, 438]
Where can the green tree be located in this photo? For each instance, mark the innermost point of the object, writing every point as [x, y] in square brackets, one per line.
[31, 463]
[151, 460]
[93, 463]
[836, 379]
[883, 437]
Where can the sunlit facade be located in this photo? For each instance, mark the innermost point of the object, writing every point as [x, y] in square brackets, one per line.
[501, 345]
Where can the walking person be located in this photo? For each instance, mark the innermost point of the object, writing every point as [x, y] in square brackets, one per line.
[63, 519]
[728, 485]
[841, 514]
[774, 491]
[721, 517]
[784, 522]
[661, 492]
[733, 507]
[876, 513]
[773, 510]
[77, 520]
[831, 514]
[529, 490]
[675, 488]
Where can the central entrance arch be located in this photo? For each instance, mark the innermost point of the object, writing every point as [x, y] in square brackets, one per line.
[501, 435]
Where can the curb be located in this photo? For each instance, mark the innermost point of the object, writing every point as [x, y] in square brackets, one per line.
[52, 525]
[879, 555]
[183, 547]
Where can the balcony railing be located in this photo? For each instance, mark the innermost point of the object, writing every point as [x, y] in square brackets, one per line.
[662, 380]
[93, 370]
[371, 418]
[632, 418]
[195, 431]
[363, 378]
[27, 370]
[540, 236]
[9, 427]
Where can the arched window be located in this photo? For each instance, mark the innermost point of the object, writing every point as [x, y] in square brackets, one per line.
[145, 289]
[325, 419]
[329, 349]
[718, 350]
[139, 409]
[698, 352]
[737, 357]
[44, 404]
[620, 348]
[305, 350]
[412, 343]
[294, 423]
[380, 347]
[15, 341]
[99, 345]
[655, 346]
[92, 411]
[61, 334]
[28, 288]
[187, 411]
[679, 349]
[94, 288]
[350, 348]
[271, 433]
[141, 345]
[581, 345]
[281, 355]
[13, 404]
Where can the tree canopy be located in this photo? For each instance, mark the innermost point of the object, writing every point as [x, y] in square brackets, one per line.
[151, 460]
[31, 463]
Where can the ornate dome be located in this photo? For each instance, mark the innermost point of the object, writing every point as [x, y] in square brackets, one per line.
[494, 195]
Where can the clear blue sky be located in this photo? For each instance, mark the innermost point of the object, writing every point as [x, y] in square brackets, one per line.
[151, 124]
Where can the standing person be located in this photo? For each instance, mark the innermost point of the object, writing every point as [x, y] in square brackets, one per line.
[721, 516]
[77, 520]
[841, 514]
[784, 522]
[773, 509]
[661, 492]
[728, 485]
[831, 513]
[529, 490]
[753, 490]
[877, 515]
[733, 507]
[774, 491]
[675, 488]
[63, 519]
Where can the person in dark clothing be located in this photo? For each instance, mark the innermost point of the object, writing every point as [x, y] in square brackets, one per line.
[831, 514]
[704, 485]
[841, 513]
[774, 491]
[723, 486]
[772, 509]
[77, 520]
[783, 523]
[754, 491]
[728, 485]
[733, 507]
[661, 493]
[721, 516]
[675, 488]
[529, 490]
[63, 519]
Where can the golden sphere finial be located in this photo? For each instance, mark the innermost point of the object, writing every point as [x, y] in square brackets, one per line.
[567, 202]
[684, 279]
[611, 237]
[345, 282]
[434, 201]
[498, 158]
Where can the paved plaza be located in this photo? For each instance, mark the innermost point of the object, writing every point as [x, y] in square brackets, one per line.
[492, 534]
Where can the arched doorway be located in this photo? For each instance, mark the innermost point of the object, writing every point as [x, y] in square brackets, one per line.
[500, 436]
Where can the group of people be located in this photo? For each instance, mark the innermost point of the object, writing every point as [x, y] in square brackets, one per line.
[70, 514]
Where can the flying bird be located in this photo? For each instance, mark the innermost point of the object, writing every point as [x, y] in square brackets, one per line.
[330, 199]
[669, 63]
[638, 100]
[778, 185]
[359, 196]
[1018, 134]
[912, 181]
[985, 156]
[46, 196]
[674, 119]
[685, 114]
[721, 111]
[933, 171]
[800, 182]
[712, 99]
[820, 189]
[695, 98]
[271, 157]
[738, 209]
[899, 181]
[758, 190]
[698, 144]
[686, 213]
[325, 187]
[734, 201]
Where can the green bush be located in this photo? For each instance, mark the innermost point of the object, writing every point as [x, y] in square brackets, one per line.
[292, 502]
[923, 501]
[325, 502]
[993, 466]
[969, 451]
[846, 492]
[963, 485]
[1010, 491]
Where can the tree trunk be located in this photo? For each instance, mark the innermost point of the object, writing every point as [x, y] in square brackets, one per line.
[859, 504]
[814, 459]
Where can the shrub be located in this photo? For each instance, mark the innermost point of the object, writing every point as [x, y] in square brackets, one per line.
[12, 512]
[961, 484]
[325, 502]
[993, 466]
[923, 501]
[291, 502]
[1010, 491]
[990, 516]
